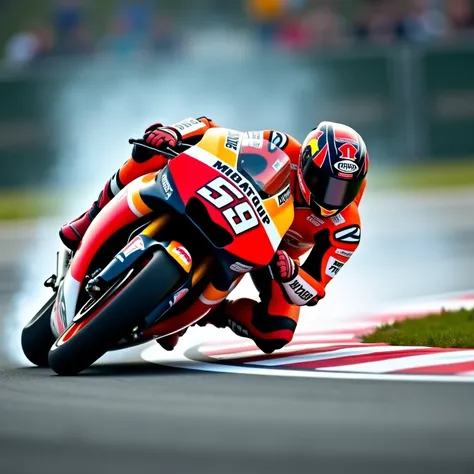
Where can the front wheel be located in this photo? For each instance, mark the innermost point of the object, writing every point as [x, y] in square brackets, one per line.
[37, 336]
[115, 315]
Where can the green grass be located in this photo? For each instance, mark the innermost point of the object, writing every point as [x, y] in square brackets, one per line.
[17, 204]
[448, 174]
[448, 329]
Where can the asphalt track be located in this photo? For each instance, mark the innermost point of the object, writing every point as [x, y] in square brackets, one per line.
[135, 417]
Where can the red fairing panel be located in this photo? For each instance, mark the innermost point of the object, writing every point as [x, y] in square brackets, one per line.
[228, 205]
[112, 218]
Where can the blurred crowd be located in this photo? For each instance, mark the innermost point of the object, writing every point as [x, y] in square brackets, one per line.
[139, 27]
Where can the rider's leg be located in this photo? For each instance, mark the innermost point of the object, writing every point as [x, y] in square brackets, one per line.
[270, 323]
[140, 163]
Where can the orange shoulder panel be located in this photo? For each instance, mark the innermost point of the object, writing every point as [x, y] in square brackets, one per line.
[289, 144]
[345, 228]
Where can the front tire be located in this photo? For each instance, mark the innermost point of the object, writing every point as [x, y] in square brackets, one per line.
[124, 309]
[37, 336]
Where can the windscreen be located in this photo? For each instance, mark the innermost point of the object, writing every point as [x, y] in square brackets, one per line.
[266, 166]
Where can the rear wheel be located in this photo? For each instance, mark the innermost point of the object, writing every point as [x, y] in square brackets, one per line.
[37, 336]
[113, 316]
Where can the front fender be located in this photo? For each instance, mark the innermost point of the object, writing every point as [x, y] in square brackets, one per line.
[136, 249]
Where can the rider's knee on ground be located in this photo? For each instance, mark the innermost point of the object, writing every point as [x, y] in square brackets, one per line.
[272, 345]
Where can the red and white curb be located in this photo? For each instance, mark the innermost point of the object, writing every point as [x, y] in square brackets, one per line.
[335, 352]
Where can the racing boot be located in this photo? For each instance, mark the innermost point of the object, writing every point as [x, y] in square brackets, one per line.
[216, 317]
[72, 233]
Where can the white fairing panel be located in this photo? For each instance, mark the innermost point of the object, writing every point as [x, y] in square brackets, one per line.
[71, 293]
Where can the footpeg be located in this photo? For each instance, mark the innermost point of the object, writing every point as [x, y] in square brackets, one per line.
[51, 282]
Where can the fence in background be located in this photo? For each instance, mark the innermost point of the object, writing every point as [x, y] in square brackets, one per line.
[409, 103]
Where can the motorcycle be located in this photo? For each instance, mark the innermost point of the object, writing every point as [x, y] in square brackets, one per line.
[165, 251]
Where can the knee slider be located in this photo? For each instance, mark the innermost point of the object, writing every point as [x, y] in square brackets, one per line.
[269, 346]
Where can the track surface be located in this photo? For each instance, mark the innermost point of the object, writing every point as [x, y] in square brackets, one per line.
[134, 417]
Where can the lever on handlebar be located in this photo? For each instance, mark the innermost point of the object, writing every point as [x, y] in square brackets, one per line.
[168, 152]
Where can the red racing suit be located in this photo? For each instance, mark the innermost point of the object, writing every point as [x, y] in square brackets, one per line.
[272, 321]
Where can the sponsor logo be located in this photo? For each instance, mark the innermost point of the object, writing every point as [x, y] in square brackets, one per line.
[183, 255]
[344, 253]
[245, 187]
[348, 151]
[338, 220]
[166, 185]
[333, 266]
[188, 125]
[284, 196]
[254, 139]
[316, 221]
[349, 234]
[133, 246]
[232, 141]
[346, 166]
[237, 328]
[345, 175]
[240, 267]
[277, 140]
[301, 291]
[179, 295]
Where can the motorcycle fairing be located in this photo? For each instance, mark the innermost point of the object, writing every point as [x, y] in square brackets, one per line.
[124, 209]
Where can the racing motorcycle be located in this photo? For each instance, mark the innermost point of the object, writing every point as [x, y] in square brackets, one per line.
[165, 251]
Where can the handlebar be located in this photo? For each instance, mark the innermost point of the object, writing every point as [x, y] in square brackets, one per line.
[168, 152]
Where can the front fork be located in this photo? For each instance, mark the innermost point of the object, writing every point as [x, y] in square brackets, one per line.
[129, 256]
[63, 258]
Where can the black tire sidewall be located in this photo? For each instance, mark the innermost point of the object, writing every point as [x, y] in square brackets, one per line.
[127, 309]
[37, 336]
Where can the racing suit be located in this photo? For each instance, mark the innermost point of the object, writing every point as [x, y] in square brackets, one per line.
[272, 321]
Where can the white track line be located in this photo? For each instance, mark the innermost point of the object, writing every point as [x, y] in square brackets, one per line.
[155, 355]
[409, 362]
[374, 371]
[336, 354]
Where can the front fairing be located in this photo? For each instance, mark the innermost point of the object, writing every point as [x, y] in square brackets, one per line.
[243, 218]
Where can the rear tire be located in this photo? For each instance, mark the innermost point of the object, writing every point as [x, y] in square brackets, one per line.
[126, 308]
[37, 336]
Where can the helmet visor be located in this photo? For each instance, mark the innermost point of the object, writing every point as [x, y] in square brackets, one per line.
[329, 192]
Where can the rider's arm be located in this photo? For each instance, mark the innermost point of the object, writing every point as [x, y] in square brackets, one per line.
[190, 130]
[334, 245]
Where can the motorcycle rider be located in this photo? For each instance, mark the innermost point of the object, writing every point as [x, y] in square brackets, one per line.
[328, 179]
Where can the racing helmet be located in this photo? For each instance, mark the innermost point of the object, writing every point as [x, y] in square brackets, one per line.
[332, 167]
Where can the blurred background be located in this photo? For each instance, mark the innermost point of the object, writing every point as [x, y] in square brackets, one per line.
[79, 77]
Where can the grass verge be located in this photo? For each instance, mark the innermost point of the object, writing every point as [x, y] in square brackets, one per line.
[448, 329]
[17, 204]
[429, 175]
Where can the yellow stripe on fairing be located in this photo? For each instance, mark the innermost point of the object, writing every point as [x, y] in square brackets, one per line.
[214, 143]
[282, 215]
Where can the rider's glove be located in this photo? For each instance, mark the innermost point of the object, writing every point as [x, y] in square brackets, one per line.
[158, 136]
[299, 287]
[283, 267]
